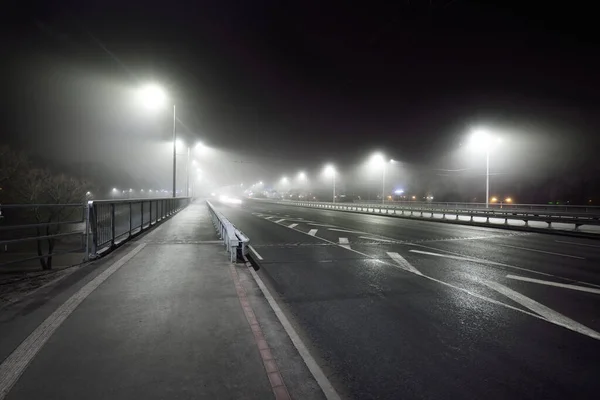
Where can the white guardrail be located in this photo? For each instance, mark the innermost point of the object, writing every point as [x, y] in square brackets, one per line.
[459, 213]
[233, 238]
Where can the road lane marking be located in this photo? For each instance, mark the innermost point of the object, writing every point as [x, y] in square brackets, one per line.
[539, 251]
[450, 285]
[549, 314]
[312, 232]
[403, 263]
[379, 240]
[344, 242]
[457, 256]
[316, 371]
[280, 221]
[255, 252]
[557, 284]
[314, 224]
[578, 244]
[269, 217]
[15, 364]
[344, 230]
[292, 225]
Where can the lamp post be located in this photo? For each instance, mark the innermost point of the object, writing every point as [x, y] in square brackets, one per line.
[378, 161]
[330, 171]
[154, 97]
[482, 140]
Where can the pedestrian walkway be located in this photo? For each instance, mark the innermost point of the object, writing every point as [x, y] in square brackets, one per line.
[163, 320]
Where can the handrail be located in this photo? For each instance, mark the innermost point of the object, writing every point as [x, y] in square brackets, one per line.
[233, 238]
[115, 221]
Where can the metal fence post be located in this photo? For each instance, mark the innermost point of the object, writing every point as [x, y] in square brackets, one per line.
[87, 232]
[112, 224]
[130, 218]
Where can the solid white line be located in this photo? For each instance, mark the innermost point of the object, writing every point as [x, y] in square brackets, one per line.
[255, 252]
[269, 217]
[15, 364]
[343, 230]
[540, 251]
[487, 262]
[548, 313]
[380, 240]
[403, 263]
[316, 371]
[312, 232]
[313, 224]
[557, 284]
[280, 221]
[292, 225]
[476, 260]
[578, 244]
[344, 242]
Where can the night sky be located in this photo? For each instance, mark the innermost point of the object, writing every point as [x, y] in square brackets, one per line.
[278, 86]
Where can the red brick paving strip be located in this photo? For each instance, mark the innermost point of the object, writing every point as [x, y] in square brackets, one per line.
[279, 389]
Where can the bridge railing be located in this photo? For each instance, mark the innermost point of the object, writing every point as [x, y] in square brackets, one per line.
[445, 211]
[113, 221]
[41, 231]
[234, 239]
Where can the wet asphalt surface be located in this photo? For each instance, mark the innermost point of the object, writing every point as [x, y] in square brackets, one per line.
[395, 308]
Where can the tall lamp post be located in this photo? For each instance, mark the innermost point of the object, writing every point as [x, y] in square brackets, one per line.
[482, 140]
[330, 171]
[378, 161]
[154, 97]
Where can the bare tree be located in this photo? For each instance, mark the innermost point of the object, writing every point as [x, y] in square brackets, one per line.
[11, 162]
[52, 198]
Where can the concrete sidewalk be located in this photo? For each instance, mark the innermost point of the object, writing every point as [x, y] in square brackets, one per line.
[166, 322]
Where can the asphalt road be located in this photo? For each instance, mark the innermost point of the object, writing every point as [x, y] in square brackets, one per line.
[395, 308]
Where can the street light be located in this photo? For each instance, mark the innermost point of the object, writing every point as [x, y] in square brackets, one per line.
[329, 171]
[301, 176]
[154, 97]
[482, 140]
[378, 161]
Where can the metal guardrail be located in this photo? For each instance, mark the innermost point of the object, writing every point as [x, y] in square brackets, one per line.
[113, 221]
[233, 238]
[566, 208]
[577, 219]
[41, 231]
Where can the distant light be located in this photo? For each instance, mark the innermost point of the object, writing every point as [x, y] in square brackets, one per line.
[153, 96]
[414, 197]
[213, 194]
[194, 162]
[199, 146]
[494, 199]
[142, 190]
[115, 190]
[377, 160]
[508, 200]
[88, 193]
[482, 140]
[398, 191]
[260, 183]
[329, 170]
[179, 144]
[302, 176]
[284, 180]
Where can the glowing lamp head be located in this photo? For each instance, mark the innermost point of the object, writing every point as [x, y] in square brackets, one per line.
[329, 170]
[153, 96]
